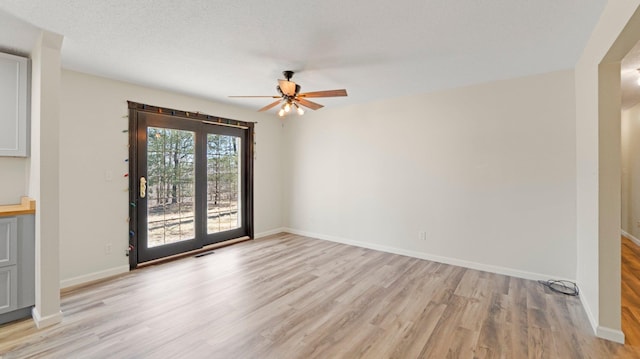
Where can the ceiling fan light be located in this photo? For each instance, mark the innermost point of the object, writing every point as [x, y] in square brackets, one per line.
[300, 111]
[287, 107]
[281, 112]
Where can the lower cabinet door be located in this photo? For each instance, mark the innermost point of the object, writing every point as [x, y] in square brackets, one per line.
[8, 241]
[8, 289]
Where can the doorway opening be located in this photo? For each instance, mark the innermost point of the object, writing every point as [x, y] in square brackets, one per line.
[630, 195]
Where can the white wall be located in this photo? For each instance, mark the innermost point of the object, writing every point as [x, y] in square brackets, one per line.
[93, 211]
[487, 171]
[631, 171]
[13, 179]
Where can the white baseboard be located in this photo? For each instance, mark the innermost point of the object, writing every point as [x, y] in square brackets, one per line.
[610, 334]
[269, 232]
[592, 319]
[435, 258]
[43, 322]
[630, 237]
[86, 278]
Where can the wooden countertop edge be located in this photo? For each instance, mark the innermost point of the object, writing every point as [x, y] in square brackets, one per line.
[27, 206]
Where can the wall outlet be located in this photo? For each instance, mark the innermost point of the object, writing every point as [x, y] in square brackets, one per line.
[107, 248]
[422, 235]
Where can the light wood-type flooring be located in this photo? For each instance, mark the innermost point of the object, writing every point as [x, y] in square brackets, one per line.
[287, 296]
[631, 292]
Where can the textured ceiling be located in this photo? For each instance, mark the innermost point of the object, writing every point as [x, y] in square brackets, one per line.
[375, 48]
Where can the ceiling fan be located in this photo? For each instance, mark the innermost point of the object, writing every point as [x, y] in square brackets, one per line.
[291, 97]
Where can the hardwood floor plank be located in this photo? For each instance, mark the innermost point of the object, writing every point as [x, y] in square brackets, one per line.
[413, 343]
[541, 343]
[288, 296]
[495, 332]
[439, 343]
[517, 317]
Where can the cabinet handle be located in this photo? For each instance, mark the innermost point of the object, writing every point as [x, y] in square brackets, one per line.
[143, 187]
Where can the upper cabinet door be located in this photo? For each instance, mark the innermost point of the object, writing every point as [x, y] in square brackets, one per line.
[14, 111]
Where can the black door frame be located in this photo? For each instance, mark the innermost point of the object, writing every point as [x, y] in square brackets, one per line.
[201, 123]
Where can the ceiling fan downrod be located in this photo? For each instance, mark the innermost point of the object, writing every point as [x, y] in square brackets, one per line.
[287, 74]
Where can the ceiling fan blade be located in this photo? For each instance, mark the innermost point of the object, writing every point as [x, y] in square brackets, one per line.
[328, 93]
[306, 103]
[269, 106]
[257, 96]
[288, 87]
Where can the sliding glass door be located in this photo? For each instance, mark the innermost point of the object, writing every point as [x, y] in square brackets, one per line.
[192, 184]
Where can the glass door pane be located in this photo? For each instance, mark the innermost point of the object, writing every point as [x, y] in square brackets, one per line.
[223, 183]
[170, 186]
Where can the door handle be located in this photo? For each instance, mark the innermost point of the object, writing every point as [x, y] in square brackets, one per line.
[143, 187]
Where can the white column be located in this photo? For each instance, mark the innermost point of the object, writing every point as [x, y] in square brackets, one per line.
[44, 175]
